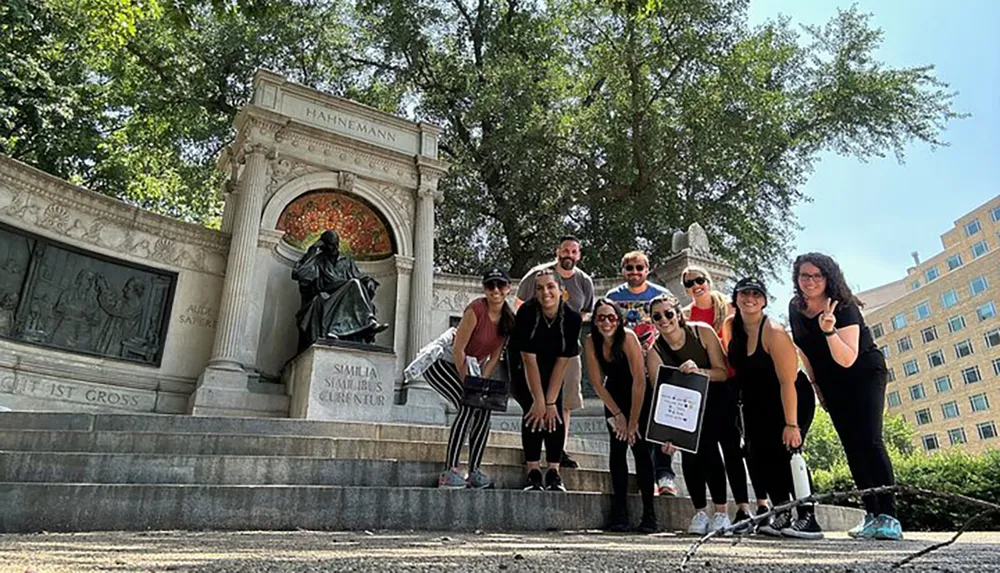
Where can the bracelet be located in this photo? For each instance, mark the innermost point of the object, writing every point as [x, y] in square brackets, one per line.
[796, 426]
[616, 414]
[831, 333]
[550, 403]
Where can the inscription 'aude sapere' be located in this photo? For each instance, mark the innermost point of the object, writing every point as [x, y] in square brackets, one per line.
[352, 385]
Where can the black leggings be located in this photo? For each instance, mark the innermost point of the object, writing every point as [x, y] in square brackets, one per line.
[531, 441]
[619, 478]
[856, 410]
[768, 458]
[719, 428]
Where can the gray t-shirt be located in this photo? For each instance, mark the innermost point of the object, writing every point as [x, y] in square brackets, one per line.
[577, 291]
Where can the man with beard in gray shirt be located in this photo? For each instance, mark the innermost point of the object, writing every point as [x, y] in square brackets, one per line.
[578, 293]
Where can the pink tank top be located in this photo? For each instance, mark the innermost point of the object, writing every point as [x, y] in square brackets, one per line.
[486, 336]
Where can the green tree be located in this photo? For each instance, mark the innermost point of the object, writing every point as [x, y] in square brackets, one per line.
[824, 451]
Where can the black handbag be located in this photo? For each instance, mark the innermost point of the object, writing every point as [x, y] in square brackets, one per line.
[485, 393]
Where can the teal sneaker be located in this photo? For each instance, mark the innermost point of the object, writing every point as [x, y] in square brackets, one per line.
[888, 528]
[857, 532]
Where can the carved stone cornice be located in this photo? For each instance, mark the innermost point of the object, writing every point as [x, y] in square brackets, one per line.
[33, 200]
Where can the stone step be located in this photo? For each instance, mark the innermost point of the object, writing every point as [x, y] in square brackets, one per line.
[175, 424]
[30, 507]
[63, 467]
[254, 445]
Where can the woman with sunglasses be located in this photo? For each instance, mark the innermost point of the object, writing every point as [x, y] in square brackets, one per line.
[618, 375]
[546, 336]
[695, 347]
[849, 375]
[779, 404]
[481, 334]
[710, 306]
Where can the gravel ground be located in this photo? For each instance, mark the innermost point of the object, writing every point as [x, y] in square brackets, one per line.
[308, 551]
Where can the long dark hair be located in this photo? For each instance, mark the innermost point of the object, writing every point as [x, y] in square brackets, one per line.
[739, 339]
[618, 338]
[506, 324]
[836, 284]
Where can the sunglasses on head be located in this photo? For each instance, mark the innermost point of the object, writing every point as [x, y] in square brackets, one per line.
[630, 268]
[695, 281]
[494, 285]
[657, 317]
[606, 318]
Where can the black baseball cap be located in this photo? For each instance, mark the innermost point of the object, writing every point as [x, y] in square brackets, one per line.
[750, 283]
[496, 274]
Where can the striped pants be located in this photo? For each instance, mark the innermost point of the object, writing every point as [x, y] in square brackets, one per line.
[443, 377]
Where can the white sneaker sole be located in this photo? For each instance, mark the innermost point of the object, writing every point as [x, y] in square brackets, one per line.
[811, 535]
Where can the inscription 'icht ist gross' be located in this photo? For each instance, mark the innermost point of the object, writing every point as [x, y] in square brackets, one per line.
[352, 385]
[335, 120]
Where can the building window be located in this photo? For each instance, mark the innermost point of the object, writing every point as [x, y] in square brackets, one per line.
[995, 214]
[996, 366]
[899, 321]
[929, 334]
[971, 375]
[986, 311]
[930, 442]
[987, 430]
[910, 367]
[992, 338]
[884, 349]
[917, 392]
[923, 310]
[963, 349]
[979, 402]
[956, 323]
[931, 274]
[904, 344]
[949, 298]
[914, 285]
[935, 358]
[892, 374]
[923, 416]
[949, 410]
[956, 436]
[979, 249]
[972, 227]
[877, 331]
[978, 285]
[893, 398]
[942, 384]
[954, 261]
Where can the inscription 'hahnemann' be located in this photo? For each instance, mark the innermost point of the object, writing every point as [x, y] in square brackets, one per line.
[350, 124]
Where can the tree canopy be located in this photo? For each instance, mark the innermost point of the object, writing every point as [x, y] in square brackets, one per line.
[618, 121]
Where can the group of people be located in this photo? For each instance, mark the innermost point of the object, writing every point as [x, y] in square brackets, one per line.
[759, 404]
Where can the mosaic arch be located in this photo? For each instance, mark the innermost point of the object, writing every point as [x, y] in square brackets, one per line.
[364, 233]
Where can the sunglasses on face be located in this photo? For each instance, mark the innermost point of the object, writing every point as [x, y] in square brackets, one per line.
[805, 277]
[657, 317]
[630, 268]
[752, 293]
[695, 281]
[610, 318]
[494, 285]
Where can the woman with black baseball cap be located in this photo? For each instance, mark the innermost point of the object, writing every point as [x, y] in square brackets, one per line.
[485, 326]
[778, 404]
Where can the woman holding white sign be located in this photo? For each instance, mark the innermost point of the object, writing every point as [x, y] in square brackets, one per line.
[617, 373]
[694, 348]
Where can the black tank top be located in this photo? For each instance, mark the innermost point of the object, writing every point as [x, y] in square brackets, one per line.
[617, 378]
[692, 350]
[758, 382]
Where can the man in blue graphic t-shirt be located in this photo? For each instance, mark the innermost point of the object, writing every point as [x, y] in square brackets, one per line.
[632, 296]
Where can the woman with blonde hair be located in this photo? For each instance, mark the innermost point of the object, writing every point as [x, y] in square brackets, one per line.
[707, 304]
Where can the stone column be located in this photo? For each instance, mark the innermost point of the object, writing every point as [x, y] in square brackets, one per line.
[230, 334]
[422, 281]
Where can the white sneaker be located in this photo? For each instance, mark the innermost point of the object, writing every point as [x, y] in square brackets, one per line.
[699, 524]
[720, 520]
[666, 486]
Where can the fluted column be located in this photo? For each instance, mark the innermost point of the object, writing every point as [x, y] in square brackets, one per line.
[230, 332]
[422, 281]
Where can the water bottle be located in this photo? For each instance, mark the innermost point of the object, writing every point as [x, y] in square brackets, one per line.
[800, 475]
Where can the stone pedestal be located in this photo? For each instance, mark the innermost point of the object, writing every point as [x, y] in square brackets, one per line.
[342, 381]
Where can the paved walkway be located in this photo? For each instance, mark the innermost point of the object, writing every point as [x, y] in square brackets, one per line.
[384, 552]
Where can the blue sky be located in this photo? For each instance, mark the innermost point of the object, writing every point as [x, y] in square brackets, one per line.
[870, 216]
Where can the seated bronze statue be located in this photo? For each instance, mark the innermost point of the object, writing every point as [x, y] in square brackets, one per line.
[336, 296]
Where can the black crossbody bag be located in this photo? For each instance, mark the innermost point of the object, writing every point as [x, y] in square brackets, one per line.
[485, 393]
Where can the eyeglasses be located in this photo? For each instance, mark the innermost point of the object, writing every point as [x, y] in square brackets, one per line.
[695, 281]
[494, 285]
[752, 292]
[630, 268]
[806, 277]
[657, 317]
[611, 318]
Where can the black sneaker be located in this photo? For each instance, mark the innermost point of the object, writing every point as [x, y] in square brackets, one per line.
[567, 462]
[534, 482]
[775, 525]
[617, 527]
[742, 515]
[553, 482]
[804, 527]
[647, 525]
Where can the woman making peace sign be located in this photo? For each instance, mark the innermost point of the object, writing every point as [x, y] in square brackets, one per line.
[849, 375]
